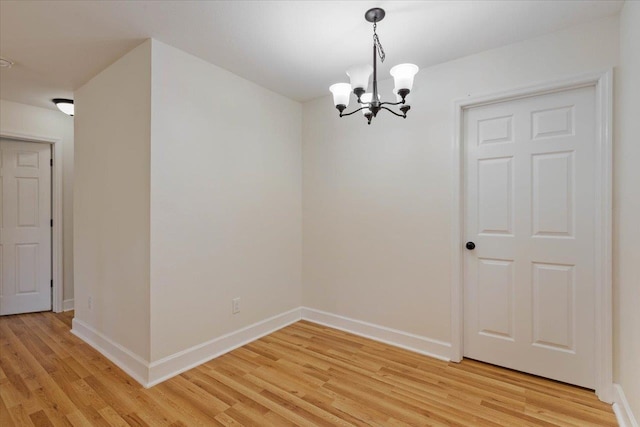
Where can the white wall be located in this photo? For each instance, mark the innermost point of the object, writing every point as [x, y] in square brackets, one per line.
[29, 120]
[225, 202]
[188, 194]
[377, 199]
[626, 219]
[111, 206]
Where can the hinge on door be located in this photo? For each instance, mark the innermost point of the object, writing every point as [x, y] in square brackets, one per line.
[50, 162]
[52, 222]
[52, 283]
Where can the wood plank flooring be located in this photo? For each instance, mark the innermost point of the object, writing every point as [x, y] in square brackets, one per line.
[302, 375]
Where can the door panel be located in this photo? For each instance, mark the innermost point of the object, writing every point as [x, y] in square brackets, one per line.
[530, 209]
[26, 268]
[27, 196]
[25, 231]
[495, 298]
[495, 188]
[552, 122]
[553, 298]
[552, 188]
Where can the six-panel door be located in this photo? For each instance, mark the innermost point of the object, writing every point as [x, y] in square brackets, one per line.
[25, 231]
[529, 208]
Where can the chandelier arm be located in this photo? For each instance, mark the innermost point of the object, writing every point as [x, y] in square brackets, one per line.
[392, 103]
[393, 112]
[354, 111]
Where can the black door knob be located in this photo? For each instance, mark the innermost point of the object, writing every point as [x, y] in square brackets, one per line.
[470, 245]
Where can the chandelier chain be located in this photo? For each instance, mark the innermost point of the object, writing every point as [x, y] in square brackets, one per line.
[376, 40]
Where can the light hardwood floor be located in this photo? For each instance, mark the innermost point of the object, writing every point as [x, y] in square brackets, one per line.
[304, 374]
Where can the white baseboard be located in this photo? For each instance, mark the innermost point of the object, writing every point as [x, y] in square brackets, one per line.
[67, 305]
[150, 374]
[416, 343]
[182, 361]
[131, 363]
[177, 363]
[622, 409]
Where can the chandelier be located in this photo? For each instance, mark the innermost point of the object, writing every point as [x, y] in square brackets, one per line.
[369, 102]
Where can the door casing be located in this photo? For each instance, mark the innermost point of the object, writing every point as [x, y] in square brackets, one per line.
[603, 84]
[56, 209]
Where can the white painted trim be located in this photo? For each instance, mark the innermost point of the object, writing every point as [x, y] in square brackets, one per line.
[602, 81]
[57, 236]
[457, 230]
[416, 343]
[184, 360]
[150, 374]
[67, 305]
[604, 238]
[622, 409]
[56, 210]
[135, 366]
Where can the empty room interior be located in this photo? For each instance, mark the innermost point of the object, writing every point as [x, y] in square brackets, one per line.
[336, 213]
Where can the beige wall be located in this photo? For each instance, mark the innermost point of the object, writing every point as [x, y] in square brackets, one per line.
[225, 202]
[111, 206]
[377, 200]
[35, 121]
[626, 218]
[188, 194]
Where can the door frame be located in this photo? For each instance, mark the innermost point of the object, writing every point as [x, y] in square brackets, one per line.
[603, 84]
[56, 210]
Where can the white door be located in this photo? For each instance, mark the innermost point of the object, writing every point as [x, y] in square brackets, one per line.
[25, 229]
[530, 211]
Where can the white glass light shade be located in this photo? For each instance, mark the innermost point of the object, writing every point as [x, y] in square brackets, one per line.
[359, 76]
[65, 105]
[403, 75]
[66, 108]
[341, 93]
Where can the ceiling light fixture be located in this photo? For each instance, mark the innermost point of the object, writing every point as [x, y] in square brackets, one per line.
[402, 74]
[64, 105]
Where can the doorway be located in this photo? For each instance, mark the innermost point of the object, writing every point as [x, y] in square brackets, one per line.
[53, 162]
[25, 227]
[532, 262]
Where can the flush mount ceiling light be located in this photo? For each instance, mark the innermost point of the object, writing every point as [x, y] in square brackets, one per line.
[370, 103]
[6, 63]
[64, 105]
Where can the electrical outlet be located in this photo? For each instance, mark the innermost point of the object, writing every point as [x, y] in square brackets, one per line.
[90, 303]
[235, 305]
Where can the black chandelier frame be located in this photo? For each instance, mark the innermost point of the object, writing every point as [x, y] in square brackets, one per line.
[374, 16]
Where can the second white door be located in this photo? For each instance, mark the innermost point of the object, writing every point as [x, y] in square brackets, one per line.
[25, 231]
[530, 211]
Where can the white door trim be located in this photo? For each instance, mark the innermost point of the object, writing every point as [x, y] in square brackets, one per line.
[56, 208]
[603, 83]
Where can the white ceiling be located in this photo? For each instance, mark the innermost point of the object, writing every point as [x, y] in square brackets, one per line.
[296, 48]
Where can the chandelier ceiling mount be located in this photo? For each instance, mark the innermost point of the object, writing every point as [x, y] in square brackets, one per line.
[374, 15]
